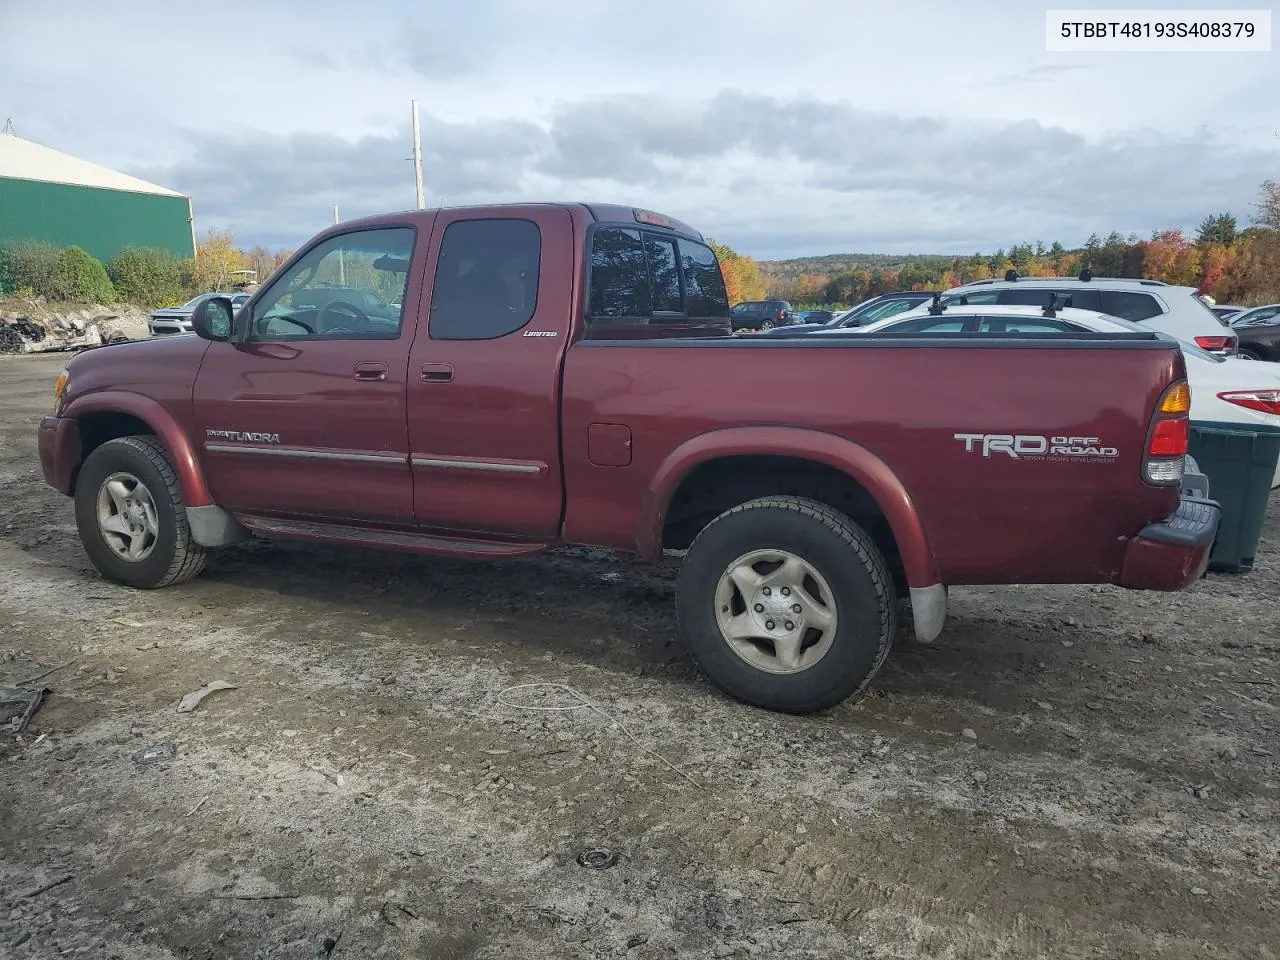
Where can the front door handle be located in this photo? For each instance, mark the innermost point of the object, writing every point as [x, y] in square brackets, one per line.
[437, 372]
[371, 370]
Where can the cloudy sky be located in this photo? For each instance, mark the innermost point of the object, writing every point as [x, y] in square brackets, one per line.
[782, 127]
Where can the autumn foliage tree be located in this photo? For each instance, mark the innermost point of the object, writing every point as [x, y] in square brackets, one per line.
[742, 277]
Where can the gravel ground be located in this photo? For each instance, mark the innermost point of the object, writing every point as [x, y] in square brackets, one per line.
[1067, 772]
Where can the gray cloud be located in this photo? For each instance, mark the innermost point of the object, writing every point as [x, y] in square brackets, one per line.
[772, 176]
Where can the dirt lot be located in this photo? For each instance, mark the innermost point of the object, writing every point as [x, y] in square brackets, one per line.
[1068, 772]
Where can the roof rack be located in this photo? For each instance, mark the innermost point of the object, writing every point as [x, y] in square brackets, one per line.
[1010, 276]
[937, 307]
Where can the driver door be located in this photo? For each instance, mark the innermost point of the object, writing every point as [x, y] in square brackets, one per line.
[302, 414]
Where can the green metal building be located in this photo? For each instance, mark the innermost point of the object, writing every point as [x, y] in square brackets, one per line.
[48, 195]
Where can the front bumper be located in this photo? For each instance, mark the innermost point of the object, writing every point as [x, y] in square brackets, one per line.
[58, 441]
[1174, 553]
[167, 326]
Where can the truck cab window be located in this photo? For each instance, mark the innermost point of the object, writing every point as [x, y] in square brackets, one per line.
[619, 277]
[704, 290]
[349, 287]
[486, 283]
[664, 274]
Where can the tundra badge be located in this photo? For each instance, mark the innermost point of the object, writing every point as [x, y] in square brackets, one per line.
[242, 437]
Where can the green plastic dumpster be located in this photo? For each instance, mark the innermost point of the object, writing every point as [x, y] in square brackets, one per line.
[1240, 462]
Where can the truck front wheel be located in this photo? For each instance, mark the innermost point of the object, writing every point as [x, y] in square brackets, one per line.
[131, 517]
[786, 604]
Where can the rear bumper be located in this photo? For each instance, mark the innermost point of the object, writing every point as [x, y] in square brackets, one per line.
[1172, 554]
[59, 443]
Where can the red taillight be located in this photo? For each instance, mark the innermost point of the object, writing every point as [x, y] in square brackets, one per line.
[1169, 438]
[1264, 401]
[1216, 343]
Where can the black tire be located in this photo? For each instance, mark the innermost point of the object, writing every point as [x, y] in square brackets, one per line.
[175, 557]
[847, 559]
[766, 325]
[1248, 353]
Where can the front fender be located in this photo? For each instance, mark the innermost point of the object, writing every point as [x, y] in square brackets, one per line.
[815, 446]
[195, 492]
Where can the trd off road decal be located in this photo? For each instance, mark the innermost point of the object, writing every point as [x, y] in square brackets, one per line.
[1030, 447]
[242, 437]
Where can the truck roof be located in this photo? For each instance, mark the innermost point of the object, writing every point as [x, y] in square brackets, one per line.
[600, 212]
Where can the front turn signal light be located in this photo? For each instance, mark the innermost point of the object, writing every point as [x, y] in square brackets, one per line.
[59, 389]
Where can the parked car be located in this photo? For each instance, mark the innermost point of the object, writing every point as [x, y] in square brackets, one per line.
[1223, 389]
[1259, 332]
[878, 308]
[171, 320]
[1177, 311]
[570, 377]
[761, 315]
[1228, 312]
[816, 316]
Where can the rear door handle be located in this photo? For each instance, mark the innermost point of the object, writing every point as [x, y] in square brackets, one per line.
[437, 372]
[371, 370]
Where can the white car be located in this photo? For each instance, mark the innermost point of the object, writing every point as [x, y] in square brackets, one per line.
[1177, 311]
[1223, 389]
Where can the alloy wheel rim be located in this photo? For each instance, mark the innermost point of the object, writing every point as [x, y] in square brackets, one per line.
[127, 517]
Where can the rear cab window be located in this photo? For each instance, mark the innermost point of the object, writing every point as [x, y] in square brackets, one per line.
[1135, 306]
[641, 278]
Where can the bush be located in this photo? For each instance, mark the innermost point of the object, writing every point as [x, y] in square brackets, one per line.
[79, 278]
[150, 278]
[27, 267]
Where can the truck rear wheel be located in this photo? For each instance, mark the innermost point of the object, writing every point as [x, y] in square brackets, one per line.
[786, 604]
[131, 518]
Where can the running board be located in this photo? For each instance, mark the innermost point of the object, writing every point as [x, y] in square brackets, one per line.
[388, 539]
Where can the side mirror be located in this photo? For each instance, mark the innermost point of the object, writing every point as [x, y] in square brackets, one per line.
[212, 318]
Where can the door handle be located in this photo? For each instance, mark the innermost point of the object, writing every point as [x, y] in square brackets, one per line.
[371, 371]
[437, 372]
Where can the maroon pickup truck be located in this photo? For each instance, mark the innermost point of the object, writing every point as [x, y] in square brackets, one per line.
[495, 381]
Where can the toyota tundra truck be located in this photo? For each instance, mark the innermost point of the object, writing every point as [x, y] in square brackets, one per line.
[497, 381]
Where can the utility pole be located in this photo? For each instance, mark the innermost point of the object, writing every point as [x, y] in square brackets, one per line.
[335, 214]
[417, 156]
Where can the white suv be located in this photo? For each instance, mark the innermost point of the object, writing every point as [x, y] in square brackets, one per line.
[1176, 311]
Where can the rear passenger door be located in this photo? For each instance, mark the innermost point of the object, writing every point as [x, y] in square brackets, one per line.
[484, 372]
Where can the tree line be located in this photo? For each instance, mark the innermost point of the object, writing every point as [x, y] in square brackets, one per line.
[1231, 264]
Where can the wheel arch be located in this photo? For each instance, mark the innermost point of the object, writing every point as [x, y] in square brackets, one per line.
[774, 453]
[107, 415]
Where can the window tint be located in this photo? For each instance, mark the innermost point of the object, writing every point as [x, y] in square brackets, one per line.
[1039, 297]
[1262, 316]
[350, 287]
[890, 308]
[486, 283]
[619, 275]
[1130, 306]
[704, 291]
[664, 274]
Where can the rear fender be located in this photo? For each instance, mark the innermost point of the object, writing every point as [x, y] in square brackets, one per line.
[195, 492]
[816, 446]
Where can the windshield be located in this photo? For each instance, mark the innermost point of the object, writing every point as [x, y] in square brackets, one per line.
[194, 301]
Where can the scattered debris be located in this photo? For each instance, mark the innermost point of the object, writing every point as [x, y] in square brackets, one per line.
[639, 940]
[969, 733]
[256, 896]
[17, 704]
[201, 803]
[41, 676]
[597, 859]
[979, 776]
[1043, 705]
[1199, 892]
[397, 914]
[1202, 791]
[155, 753]
[192, 700]
[610, 577]
[47, 887]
